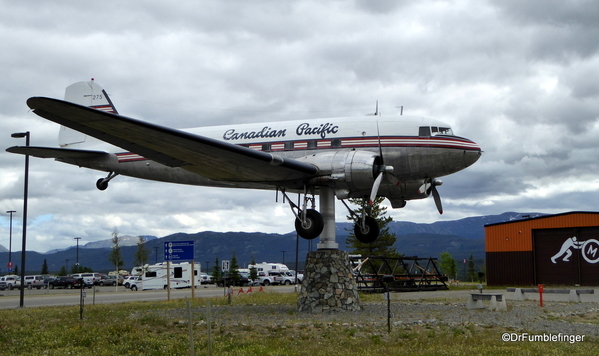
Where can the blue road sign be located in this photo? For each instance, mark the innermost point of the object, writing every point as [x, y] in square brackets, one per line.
[178, 251]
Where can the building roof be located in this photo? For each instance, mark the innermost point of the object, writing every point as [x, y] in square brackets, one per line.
[543, 217]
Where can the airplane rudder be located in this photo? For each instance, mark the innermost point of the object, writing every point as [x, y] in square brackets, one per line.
[90, 94]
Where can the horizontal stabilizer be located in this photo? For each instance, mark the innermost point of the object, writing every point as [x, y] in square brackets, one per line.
[57, 153]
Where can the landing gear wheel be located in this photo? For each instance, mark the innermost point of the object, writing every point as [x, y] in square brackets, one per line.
[101, 184]
[313, 226]
[370, 232]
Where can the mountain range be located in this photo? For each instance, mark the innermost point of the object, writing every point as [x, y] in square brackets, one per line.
[461, 238]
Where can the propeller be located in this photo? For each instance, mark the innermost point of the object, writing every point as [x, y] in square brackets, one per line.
[384, 171]
[430, 187]
[436, 196]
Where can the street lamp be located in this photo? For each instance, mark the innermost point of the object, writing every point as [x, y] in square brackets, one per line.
[77, 263]
[10, 242]
[25, 192]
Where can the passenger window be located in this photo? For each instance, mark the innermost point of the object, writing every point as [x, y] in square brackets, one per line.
[312, 144]
[288, 146]
[336, 142]
[266, 147]
[424, 131]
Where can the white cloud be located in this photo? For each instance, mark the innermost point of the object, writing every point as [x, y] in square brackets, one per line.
[519, 78]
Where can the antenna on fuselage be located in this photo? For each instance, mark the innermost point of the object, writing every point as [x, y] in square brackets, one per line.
[376, 110]
[400, 109]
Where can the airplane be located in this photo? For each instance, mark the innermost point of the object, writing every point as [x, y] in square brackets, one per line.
[397, 157]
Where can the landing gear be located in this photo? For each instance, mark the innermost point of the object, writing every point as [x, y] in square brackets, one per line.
[102, 183]
[367, 231]
[366, 228]
[309, 225]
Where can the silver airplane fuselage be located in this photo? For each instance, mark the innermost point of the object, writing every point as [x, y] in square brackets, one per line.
[345, 150]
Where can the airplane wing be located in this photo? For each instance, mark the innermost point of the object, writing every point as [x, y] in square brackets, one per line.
[57, 153]
[217, 160]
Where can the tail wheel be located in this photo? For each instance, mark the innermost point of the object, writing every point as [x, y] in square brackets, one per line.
[312, 227]
[369, 232]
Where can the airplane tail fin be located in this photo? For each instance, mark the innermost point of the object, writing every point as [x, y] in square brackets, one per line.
[87, 94]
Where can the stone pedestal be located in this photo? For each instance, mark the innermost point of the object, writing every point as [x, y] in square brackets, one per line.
[328, 284]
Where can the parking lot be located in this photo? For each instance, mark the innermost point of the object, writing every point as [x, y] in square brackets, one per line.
[104, 295]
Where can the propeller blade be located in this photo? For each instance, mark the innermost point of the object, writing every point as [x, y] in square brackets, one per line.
[437, 198]
[375, 188]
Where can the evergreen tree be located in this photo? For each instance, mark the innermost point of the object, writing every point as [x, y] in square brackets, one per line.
[80, 269]
[45, 268]
[384, 245]
[16, 271]
[142, 255]
[253, 270]
[448, 265]
[472, 275]
[63, 271]
[115, 255]
[216, 273]
[234, 275]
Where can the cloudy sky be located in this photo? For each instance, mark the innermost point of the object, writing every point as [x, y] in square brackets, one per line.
[520, 78]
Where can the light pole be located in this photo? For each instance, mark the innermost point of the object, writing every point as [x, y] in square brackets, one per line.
[9, 265]
[77, 263]
[283, 256]
[25, 192]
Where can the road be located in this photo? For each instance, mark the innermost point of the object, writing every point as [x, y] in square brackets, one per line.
[107, 295]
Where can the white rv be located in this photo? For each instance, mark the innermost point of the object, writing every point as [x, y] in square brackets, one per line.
[154, 276]
[269, 267]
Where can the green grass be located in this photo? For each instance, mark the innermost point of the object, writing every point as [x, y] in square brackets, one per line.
[159, 328]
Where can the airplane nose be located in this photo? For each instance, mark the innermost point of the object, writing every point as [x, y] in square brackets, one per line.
[471, 156]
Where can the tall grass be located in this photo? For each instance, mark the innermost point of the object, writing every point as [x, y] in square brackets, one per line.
[160, 328]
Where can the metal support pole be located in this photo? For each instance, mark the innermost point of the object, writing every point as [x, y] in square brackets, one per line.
[327, 209]
[25, 194]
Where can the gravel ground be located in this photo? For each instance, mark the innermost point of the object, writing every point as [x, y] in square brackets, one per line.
[445, 310]
[566, 318]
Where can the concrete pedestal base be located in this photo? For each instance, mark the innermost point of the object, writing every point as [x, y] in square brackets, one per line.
[328, 284]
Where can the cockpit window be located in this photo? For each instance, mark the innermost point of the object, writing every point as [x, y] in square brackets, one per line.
[426, 131]
[444, 131]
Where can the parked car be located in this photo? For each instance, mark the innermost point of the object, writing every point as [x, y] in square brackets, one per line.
[35, 282]
[90, 278]
[111, 280]
[226, 280]
[129, 280]
[66, 282]
[10, 282]
[206, 278]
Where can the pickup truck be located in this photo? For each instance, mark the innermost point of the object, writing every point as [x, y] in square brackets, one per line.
[265, 279]
[10, 282]
[66, 282]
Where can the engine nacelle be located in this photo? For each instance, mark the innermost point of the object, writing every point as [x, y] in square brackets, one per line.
[350, 173]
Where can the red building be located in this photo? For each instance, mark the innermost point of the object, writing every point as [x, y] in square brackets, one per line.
[561, 249]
